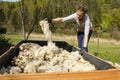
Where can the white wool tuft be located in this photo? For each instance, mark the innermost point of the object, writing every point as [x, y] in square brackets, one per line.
[45, 28]
[15, 70]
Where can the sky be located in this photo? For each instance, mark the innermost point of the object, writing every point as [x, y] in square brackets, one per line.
[10, 0]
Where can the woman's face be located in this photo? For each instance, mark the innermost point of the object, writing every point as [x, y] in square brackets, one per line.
[80, 14]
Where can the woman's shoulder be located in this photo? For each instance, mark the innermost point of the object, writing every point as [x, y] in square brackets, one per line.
[73, 14]
[86, 16]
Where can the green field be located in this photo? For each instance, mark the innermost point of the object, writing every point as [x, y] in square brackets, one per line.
[110, 52]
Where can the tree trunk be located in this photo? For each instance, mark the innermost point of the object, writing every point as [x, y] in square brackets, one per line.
[23, 20]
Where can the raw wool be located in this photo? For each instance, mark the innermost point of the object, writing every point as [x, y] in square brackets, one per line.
[10, 70]
[33, 48]
[15, 70]
[49, 60]
[117, 65]
[45, 28]
[4, 70]
[31, 67]
[49, 69]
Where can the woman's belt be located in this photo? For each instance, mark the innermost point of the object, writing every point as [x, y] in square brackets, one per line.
[82, 30]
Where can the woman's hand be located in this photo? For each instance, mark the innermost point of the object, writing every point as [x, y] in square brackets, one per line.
[49, 20]
[83, 50]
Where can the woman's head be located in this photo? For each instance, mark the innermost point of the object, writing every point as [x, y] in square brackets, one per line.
[81, 12]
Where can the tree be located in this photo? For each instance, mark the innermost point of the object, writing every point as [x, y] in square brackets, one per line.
[23, 18]
[115, 13]
[32, 17]
[106, 22]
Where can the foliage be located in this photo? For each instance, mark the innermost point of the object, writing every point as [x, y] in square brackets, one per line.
[103, 13]
[106, 22]
[5, 43]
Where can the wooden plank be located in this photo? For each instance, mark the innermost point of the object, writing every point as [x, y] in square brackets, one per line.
[4, 58]
[6, 51]
[113, 74]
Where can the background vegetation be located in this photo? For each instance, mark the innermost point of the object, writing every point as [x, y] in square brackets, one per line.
[104, 14]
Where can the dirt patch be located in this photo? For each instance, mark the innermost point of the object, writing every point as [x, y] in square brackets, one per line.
[74, 39]
[108, 41]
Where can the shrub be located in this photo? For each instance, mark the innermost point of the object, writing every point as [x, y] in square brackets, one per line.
[3, 30]
[4, 44]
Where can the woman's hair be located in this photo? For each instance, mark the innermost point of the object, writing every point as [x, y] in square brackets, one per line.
[83, 9]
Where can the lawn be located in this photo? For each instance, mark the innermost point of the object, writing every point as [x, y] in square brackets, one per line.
[110, 52]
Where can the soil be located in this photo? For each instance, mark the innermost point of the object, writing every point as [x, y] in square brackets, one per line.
[74, 38]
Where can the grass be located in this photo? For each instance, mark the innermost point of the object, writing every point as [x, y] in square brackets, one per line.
[106, 51]
[14, 38]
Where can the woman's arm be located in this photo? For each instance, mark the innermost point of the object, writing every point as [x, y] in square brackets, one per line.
[85, 40]
[57, 20]
[87, 28]
[72, 16]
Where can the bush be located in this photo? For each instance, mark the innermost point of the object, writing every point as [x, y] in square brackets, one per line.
[105, 35]
[4, 44]
[3, 30]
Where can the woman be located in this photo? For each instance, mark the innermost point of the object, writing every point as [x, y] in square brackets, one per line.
[84, 29]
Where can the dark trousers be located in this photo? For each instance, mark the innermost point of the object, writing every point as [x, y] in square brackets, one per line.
[80, 37]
